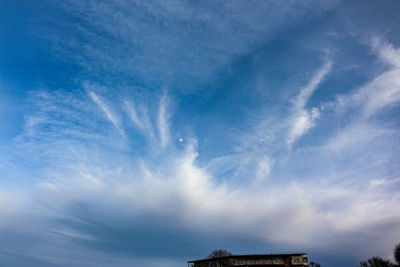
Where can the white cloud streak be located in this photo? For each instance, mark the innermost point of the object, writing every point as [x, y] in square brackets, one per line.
[141, 120]
[163, 121]
[106, 110]
[302, 119]
[383, 92]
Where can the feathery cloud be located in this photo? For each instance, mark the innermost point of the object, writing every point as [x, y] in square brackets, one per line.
[303, 119]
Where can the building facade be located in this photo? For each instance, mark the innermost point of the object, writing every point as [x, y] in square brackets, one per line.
[260, 260]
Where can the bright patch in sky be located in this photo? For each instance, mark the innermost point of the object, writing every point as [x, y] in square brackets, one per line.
[148, 133]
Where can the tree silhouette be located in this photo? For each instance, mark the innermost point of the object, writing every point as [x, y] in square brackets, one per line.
[376, 262]
[218, 253]
[397, 254]
[219, 256]
[314, 264]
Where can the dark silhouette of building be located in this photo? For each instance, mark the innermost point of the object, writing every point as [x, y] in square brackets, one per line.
[260, 260]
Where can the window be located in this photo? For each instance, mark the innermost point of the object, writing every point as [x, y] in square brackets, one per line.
[260, 261]
[296, 260]
[305, 259]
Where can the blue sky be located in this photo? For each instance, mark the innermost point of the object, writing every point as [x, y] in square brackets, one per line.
[152, 132]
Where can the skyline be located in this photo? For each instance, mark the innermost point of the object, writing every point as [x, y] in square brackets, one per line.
[153, 132]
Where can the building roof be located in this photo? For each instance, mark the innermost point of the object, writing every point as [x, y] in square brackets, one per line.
[249, 255]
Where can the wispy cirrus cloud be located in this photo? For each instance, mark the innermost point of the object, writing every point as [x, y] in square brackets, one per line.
[176, 185]
[140, 119]
[104, 108]
[163, 121]
[157, 36]
[302, 119]
[383, 92]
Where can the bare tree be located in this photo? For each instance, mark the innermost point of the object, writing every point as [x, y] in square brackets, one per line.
[376, 262]
[219, 253]
[314, 264]
[220, 257]
[397, 254]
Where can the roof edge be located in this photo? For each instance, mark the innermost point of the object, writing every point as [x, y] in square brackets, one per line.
[249, 255]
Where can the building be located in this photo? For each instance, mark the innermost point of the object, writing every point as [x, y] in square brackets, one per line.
[260, 260]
